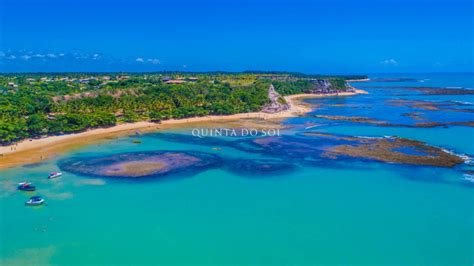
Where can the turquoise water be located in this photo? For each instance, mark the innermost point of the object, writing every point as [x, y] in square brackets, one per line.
[354, 213]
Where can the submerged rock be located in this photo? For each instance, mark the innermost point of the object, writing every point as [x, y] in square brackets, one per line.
[260, 168]
[444, 91]
[141, 164]
[414, 115]
[326, 150]
[367, 120]
[355, 119]
[452, 106]
[396, 150]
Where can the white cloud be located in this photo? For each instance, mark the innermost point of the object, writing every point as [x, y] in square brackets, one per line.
[56, 56]
[389, 62]
[154, 61]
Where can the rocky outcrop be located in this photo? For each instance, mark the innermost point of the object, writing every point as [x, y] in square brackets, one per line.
[321, 84]
[277, 102]
[324, 86]
[396, 150]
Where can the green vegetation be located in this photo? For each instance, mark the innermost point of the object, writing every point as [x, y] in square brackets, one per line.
[35, 105]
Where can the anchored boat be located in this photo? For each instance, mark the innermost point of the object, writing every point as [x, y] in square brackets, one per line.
[35, 201]
[26, 186]
[54, 175]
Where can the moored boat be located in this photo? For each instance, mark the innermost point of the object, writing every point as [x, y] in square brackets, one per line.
[26, 186]
[54, 175]
[35, 201]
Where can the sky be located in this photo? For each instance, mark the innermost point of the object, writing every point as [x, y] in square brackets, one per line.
[330, 36]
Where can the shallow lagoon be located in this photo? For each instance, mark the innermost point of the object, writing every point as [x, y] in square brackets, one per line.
[344, 212]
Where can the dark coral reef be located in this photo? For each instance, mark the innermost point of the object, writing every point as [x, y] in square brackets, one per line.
[277, 155]
[141, 164]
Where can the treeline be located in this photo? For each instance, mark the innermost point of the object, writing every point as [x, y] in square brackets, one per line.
[48, 109]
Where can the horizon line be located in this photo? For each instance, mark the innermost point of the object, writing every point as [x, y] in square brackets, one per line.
[230, 72]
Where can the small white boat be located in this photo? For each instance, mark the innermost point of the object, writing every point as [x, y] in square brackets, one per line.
[35, 201]
[54, 175]
[26, 186]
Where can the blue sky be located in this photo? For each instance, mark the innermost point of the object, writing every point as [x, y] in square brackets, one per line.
[307, 36]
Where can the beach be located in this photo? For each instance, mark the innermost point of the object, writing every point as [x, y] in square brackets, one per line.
[36, 150]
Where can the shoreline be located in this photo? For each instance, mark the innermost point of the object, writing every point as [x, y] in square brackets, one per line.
[31, 151]
[358, 80]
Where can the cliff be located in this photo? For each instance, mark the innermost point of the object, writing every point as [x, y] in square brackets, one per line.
[277, 102]
[326, 86]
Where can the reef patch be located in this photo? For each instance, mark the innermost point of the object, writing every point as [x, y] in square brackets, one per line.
[326, 150]
[452, 106]
[414, 115]
[428, 90]
[355, 119]
[443, 91]
[142, 164]
[397, 150]
[260, 167]
[367, 120]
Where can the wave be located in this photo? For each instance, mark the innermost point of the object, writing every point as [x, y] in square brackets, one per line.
[367, 137]
[462, 102]
[469, 178]
[313, 126]
[384, 137]
[466, 158]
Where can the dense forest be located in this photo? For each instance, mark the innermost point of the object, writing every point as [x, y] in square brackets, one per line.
[35, 105]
